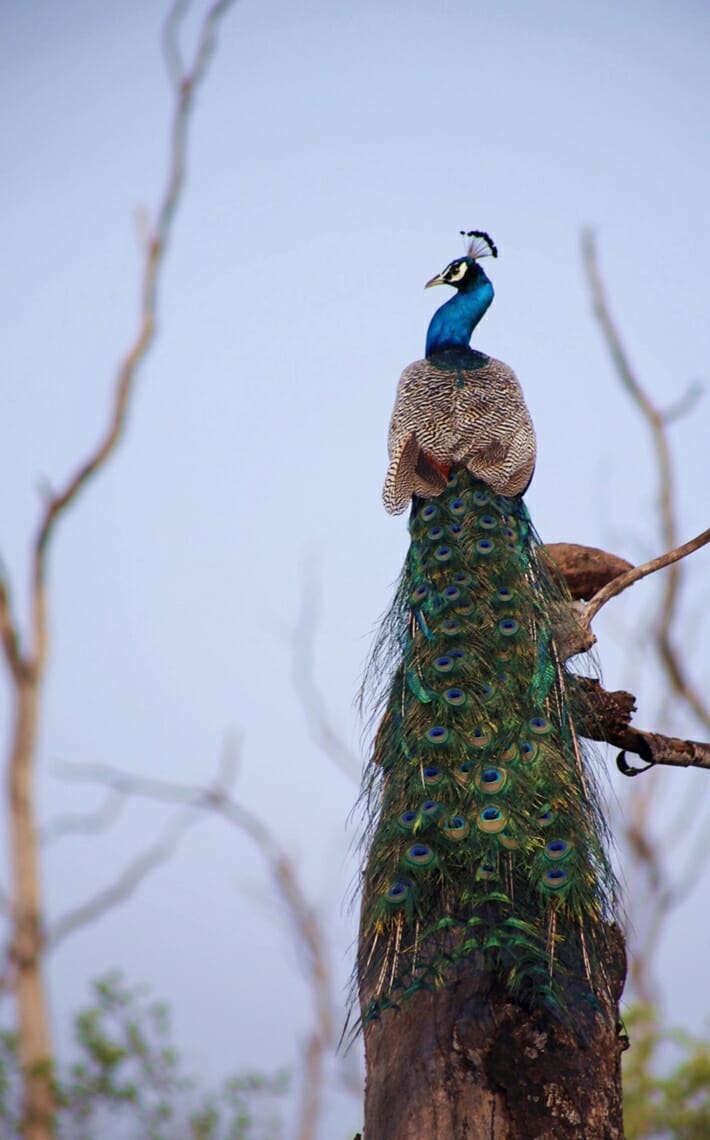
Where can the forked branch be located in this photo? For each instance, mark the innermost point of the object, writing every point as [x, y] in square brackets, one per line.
[127, 882]
[185, 86]
[657, 421]
[623, 581]
[310, 936]
[658, 883]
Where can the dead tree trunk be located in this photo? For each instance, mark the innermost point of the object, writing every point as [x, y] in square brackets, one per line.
[34, 1040]
[466, 1063]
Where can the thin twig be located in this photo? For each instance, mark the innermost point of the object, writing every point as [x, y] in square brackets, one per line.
[301, 641]
[8, 633]
[618, 585]
[126, 884]
[171, 43]
[684, 404]
[89, 823]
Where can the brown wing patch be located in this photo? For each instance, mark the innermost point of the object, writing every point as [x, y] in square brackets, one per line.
[494, 451]
[401, 476]
[431, 475]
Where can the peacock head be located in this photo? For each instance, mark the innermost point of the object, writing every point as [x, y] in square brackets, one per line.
[465, 273]
[452, 324]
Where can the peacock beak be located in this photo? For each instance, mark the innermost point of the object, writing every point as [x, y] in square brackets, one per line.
[438, 280]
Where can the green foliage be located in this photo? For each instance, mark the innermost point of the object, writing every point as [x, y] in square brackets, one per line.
[676, 1105]
[128, 1081]
[9, 1083]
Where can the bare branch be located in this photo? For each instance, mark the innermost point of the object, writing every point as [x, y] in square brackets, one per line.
[685, 404]
[214, 798]
[657, 422]
[687, 881]
[162, 790]
[623, 581]
[660, 895]
[90, 823]
[154, 260]
[655, 749]
[627, 376]
[127, 883]
[311, 937]
[8, 633]
[171, 46]
[301, 640]
[607, 716]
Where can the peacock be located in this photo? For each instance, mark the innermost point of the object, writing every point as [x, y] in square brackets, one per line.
[486, 841]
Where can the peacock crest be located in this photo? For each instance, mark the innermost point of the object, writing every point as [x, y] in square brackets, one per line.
[480, 244]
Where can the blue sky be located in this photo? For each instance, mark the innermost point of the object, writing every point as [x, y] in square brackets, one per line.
[337, 149]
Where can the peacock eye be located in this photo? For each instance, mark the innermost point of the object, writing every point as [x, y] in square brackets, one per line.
[456, 271]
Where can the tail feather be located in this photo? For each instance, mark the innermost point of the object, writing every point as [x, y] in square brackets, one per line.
[486, 842]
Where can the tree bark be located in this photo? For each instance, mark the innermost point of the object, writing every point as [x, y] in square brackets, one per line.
[585, 569]
[35, 1047]
[467, 1063]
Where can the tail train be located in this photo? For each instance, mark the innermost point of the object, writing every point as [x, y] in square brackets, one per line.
[486, 841]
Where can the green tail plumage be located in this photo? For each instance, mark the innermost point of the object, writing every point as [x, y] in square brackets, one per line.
[486, 844]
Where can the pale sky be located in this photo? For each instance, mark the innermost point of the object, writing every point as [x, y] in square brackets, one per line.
[336, 151]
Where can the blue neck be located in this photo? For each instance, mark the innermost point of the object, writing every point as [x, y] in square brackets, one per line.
[452, 324]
